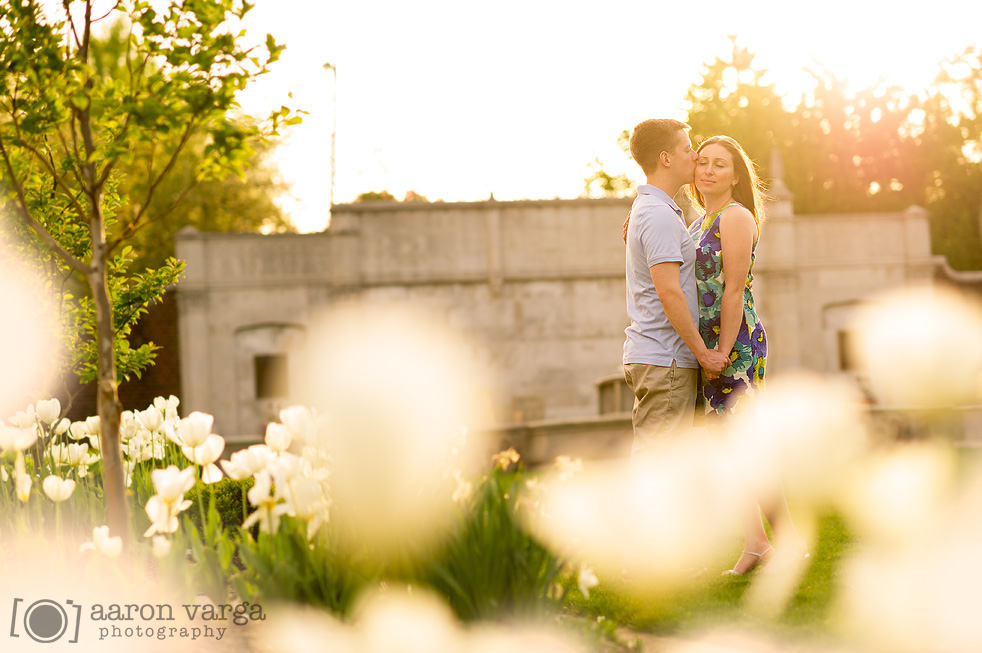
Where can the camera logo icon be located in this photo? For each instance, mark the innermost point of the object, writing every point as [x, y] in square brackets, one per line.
[46, 620]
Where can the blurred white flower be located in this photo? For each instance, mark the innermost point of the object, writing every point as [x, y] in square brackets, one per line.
[22, 479]
[163, 507]
[57, 488]
[793, 434]
[73, 454]
[247, 462]
[464, 488]
[568, 466]
[208, 452]
[943, 368]
[193, 430]
[25, 418]
[13, 438]
[47, 410]
[285, 467]
[160, 546]
[128, 467]
[505, 459]
[128, 426]
[102, 543]
[308, 503]
[171, 483]
[277, 437]
[61, 426]
[78, 430]
[586, 580]
[93, 426]
[300, 421]
[268, 509]
[151, 419]
[167, 407]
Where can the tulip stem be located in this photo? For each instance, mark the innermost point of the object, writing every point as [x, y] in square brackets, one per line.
[201, 505]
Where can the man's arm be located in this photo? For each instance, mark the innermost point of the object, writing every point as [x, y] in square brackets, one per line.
[667, 282]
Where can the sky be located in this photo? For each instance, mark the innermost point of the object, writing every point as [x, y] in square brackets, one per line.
[458, 100]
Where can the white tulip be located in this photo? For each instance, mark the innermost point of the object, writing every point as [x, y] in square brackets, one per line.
[277, 437]
[308, 503]
[47, 410]
[585, 580]
[247, 462]
[194, 429]
[25, 418]
[160, 546]
[151, 419]
[171, 483]
[24, 483]
[61, 426]
[22, 480]
[128, 467]
[57, 488]
[211, 474]
[300, 421]
[268, 511]
[286, 466]
[13, 438]
[167, 406]
[78, 430]
[207, 452]
[163, 507]
[128, 426]
[93, 426]
[259, 493]
[102, 543]
[163, 516]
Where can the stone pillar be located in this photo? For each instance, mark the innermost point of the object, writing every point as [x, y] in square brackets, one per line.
[193, 323]
[345, 265]
[495, 272]
[778, 284]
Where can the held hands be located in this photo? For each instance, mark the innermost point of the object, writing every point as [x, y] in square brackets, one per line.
[713, 363]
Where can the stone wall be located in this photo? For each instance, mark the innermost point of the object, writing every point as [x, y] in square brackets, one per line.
[537, 288]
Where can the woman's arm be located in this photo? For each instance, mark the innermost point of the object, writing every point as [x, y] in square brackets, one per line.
[737, 232]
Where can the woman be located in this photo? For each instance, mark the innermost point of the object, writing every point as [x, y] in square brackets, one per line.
[727, 187]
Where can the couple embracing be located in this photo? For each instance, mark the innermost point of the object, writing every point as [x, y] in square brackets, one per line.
[689, 298]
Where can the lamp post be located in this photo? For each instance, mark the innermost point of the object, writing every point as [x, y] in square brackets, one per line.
[334, 127]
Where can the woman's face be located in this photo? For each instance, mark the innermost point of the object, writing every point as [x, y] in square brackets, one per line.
[714, 170]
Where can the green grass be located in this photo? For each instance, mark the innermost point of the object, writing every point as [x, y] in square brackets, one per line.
[712, 599]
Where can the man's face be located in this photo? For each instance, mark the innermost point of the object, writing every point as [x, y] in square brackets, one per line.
[684, 157]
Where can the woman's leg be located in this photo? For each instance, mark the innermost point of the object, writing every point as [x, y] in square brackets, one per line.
[786, 536]
[756, 546]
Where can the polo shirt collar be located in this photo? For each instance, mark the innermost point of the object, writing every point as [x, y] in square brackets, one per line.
[648, 189]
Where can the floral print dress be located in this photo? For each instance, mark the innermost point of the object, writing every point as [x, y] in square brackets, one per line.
[745, 375]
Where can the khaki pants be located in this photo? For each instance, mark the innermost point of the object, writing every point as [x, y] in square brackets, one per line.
[664, 401]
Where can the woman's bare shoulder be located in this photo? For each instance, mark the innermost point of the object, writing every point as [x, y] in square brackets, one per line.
[737, 212]
[737, 216]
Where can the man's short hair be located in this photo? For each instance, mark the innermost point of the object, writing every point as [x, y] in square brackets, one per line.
[652, 137]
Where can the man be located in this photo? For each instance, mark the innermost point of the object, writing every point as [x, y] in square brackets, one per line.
[663, 350]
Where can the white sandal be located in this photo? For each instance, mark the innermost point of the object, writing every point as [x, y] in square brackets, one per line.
[760, 558]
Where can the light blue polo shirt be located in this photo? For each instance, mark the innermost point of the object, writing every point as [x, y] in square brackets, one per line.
[657, 233]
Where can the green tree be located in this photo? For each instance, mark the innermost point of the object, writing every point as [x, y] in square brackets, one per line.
[246, 204]
[879, 148]
[950, 127]
[376, 196]
[67, 130]
[734, 98]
